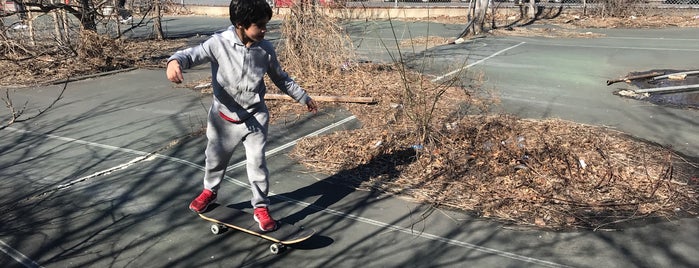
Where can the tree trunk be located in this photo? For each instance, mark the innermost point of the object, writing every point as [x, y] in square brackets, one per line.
[481, 7]
[57, 24]
[157, 27]
[30, 24]
[531, 10]
[88, 16]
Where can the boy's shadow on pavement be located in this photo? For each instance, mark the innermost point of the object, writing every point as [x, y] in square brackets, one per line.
[336, 187]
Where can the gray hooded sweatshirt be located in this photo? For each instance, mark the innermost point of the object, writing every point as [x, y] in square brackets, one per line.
[237, 73]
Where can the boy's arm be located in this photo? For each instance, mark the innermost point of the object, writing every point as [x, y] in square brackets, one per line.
[287, 85]
[185, 59]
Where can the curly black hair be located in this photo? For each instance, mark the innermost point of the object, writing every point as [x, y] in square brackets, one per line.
[247, 12]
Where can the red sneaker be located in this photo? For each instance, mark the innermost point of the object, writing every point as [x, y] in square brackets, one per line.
[261, 216]
[202, 201]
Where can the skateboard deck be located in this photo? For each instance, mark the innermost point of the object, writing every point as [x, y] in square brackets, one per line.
[224, 217]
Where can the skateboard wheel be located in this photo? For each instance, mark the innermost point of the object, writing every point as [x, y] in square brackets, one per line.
[276, 248]
[217, 229]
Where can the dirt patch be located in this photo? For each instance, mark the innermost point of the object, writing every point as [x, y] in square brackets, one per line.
[550, 32]
[640, 21]
[576, 19]
[569, 24]
[425, 41]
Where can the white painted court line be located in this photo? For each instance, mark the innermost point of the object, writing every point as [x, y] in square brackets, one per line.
[437, 79]
[649, 38]
[629, 48]
[144, 155]
[292, 143]
[94, 144]
[544, 43]
[17, 256]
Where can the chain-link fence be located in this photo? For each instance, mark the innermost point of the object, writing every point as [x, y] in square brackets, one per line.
[138, 5]
[454, 3]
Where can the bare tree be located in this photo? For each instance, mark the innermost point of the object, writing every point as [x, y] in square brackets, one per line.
[86, 12]
[476, 18]
[88, 15]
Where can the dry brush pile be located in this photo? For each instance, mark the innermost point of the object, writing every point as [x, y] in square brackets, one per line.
[546, 173]
[54, 48]
[46, 62]
[550, 174]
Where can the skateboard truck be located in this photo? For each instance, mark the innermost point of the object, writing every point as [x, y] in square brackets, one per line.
[274, 248]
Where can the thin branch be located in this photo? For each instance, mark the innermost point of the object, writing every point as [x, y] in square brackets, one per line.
[16, 114]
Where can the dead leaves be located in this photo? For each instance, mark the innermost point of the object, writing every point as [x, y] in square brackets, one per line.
[551, 174]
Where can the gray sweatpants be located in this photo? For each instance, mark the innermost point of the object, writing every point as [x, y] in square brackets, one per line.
[223, 137]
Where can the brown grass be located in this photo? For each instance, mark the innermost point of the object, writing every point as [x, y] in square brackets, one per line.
[550, 174]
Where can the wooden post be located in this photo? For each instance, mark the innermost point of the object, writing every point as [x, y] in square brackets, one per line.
[633, 77]
[672, 89]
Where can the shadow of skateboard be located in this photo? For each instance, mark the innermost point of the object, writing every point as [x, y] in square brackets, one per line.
[224, 217]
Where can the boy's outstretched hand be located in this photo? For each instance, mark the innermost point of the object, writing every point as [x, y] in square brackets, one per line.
[174, 72]
[312, 107]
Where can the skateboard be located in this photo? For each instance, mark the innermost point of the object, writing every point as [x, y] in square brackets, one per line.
[224, 217]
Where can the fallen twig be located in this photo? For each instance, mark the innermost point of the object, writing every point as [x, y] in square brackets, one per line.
[367, 100]
[15, 114]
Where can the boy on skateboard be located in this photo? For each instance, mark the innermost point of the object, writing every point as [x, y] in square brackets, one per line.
[239, 58]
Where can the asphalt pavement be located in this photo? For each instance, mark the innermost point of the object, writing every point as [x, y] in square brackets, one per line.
[104, 178]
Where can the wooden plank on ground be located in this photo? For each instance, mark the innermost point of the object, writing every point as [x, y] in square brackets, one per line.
[347, 99]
